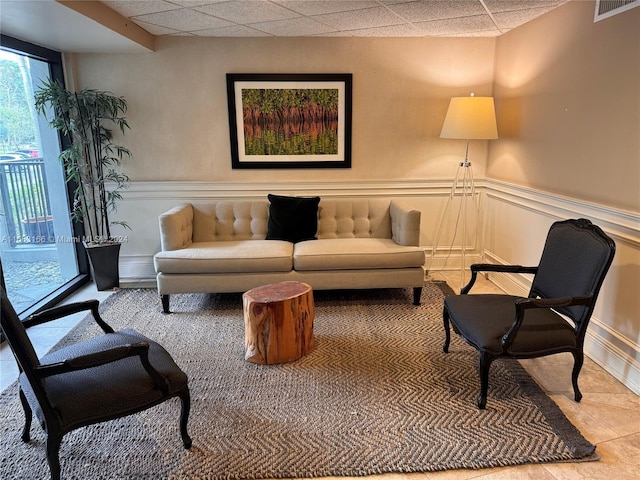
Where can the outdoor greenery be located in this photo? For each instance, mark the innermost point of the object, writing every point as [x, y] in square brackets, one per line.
[16, 119]
[93, 161]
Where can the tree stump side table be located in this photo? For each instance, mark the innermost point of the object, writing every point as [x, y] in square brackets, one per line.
[278, 322]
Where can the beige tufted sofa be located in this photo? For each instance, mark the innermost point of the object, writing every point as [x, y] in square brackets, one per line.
[220, 246]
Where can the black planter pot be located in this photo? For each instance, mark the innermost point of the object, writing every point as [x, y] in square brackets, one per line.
[104, 265]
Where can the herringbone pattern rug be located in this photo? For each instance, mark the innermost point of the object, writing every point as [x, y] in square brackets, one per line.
[376, 395]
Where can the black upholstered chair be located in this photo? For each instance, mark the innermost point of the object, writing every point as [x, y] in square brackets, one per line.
[107, 377]
[554, 317]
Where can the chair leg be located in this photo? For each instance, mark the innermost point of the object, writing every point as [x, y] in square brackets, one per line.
[184, 418]
[53, 450]
[578, 360]
[417, 293]
[26, 436]
[447, 332]
[485, 363]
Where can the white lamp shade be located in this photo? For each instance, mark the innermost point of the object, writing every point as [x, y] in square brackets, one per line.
[470, 118]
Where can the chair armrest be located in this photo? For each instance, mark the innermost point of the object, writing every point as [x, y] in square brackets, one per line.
[176, 227]
[105, 357]
[524, 304]
[490, 267]
[405, 224]
[61, 311]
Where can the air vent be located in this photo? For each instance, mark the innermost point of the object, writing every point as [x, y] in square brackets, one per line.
[609, 8]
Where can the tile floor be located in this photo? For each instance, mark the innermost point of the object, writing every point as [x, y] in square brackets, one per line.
[608, 415]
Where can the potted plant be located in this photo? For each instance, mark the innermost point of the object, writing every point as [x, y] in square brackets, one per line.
[91, 165]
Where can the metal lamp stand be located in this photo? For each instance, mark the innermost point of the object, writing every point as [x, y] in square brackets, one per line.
[463, 185]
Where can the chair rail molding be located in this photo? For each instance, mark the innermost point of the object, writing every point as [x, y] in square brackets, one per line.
[623, 225]
[195, 190]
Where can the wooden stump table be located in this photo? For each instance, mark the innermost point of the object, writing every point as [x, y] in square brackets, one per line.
[278, 322]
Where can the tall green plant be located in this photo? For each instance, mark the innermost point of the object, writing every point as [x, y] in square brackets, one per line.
[92, 161]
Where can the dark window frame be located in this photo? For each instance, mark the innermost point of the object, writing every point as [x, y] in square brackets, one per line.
[56, 72]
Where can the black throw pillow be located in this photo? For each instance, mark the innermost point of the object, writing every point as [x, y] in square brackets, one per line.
[293, 219]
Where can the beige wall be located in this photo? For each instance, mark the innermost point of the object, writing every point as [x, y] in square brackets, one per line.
[567, 98]
[568, 104]
[401, 90]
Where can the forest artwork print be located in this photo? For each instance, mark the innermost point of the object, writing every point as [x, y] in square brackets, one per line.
[289, 121]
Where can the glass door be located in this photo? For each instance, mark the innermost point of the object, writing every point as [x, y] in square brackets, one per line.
[37, 242]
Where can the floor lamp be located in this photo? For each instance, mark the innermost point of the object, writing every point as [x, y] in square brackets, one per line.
[468, 118]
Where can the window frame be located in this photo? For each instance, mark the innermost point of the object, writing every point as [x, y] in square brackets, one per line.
[56, 72]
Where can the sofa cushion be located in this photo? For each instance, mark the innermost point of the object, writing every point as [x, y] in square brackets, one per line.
[293, 219]
[355, 253]
[244, 256]
[354, 218]
[229, 220]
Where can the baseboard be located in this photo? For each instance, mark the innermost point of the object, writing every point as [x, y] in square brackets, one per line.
[136, 267]
[621, 365]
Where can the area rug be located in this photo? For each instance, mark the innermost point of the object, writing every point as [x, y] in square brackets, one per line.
[376, 395]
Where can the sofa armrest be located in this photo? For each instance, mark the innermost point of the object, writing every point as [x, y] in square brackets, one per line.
[176, 227]
[405, 224]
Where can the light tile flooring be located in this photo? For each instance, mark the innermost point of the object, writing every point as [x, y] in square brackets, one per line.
[608, 415]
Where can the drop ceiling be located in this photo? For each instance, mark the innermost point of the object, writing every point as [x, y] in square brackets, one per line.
[52, 24]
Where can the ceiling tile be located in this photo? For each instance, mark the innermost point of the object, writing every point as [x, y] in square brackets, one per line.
[496, 6]
[512, 19]
[295, 27]
[368, 18]
[155, 29]
[183, 19]
[320, 7]
[329, 18]
[132, 8]
[192, 3]
[456, 26]
[402, 30]
[435, 10]
[247, 12]
[483, 33]
[232, 31]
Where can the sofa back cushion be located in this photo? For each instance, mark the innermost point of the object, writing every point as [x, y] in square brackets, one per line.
[354, 218]
[226, 220]
[230, 220]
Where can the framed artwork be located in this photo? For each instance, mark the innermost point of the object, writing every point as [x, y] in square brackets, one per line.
[289, 120]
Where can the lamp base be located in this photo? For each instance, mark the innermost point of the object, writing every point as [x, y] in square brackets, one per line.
[464, 187]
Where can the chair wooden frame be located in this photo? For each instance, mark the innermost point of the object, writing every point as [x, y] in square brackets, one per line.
[577, 307]
[35, 373]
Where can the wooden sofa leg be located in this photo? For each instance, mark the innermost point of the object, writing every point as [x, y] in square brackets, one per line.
[165, 303]
[417, 292]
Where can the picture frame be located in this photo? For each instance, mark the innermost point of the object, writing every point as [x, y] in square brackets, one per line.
[290, 120]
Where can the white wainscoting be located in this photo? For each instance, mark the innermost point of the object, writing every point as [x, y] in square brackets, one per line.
[513, 224]
[516, 220]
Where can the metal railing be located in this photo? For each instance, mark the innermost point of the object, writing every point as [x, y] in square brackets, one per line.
[27, 210]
